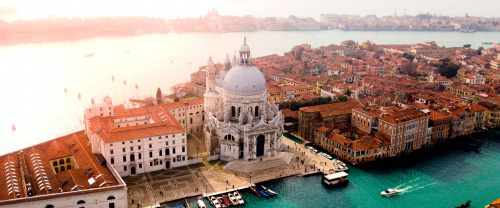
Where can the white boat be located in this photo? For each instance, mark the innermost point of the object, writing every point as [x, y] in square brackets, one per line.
[238, 197]
[270, 191]
[215, 202]
[389, 192]
[233, 199]
[201, 204]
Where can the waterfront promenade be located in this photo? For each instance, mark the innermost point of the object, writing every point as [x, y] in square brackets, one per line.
[151, 189]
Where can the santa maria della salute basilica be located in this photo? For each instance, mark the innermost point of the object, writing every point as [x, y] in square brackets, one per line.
[240, 121]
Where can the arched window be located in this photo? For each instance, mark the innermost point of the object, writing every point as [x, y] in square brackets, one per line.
[63, 168]
[68, 167]
[54, 163]
[256, 111]
[190, 120]
[111, 198]
[132, 157]
[160, 152]
[229, 137]
[49, 206]
[233, 111]
[68, 160]
[61, 161]
[81, 202]
[167, 151]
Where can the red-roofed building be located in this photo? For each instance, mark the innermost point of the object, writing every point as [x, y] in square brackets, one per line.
[62, 172]
[139, 140]
[407, 129]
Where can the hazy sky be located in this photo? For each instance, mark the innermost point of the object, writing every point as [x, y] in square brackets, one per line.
[29, 9]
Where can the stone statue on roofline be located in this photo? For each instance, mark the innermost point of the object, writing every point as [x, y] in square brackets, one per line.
[250, 118]
[241, 119]
[226, 115]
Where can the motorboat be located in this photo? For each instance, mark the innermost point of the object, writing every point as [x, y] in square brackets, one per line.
[222, 203]
[335, 179]
[389, 192]
[201, 204]
[233, 199]
[254, 189]
[215, 202]
[227, 200]
[269, 191]
[238, 197]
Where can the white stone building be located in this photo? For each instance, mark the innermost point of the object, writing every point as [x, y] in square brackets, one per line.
[240, 121]
[136, 140]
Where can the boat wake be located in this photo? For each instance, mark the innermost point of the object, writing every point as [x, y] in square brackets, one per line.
[409, 182]
[410, 188]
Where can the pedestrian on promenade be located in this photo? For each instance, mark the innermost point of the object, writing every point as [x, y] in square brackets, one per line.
[233, 186]
[227, 181]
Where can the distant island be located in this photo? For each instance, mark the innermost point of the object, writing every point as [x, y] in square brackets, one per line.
[63, 29]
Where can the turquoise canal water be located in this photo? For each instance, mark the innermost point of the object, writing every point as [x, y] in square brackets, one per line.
[439, 177]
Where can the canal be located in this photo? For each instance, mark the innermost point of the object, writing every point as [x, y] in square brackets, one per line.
[440, 177]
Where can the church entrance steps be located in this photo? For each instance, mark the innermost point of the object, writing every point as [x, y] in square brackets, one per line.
[281, 159]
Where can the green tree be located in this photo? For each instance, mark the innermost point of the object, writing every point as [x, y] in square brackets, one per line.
[159, 96]
[340, 99]
[348, 92]
[450, 70]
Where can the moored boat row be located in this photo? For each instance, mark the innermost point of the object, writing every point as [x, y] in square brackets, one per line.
[226, 200]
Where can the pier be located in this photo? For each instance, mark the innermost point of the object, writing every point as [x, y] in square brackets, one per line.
[218, 177]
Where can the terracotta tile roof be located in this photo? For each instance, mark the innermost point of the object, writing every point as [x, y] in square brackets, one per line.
[40, 170]
[403, 115]
[164, 123]
[333, 108]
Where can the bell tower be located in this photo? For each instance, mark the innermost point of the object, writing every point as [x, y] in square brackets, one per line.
[210, 76]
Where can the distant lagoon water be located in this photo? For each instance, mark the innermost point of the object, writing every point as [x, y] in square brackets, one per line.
[33, 76]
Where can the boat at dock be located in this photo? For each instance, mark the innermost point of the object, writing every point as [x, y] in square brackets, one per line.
[233, 199]
[222, 203]
[238, 197]
[335, 179]
[270, 192]
[389, 192]
[201, 204]
[466, 204]
[215, 202]
[227, 200]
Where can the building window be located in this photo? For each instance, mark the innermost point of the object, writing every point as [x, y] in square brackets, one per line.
[150, 154]
[125, 168]
[61, 162]
[166, 143]
[124, 158]
[183, 149]
[173, 142]
[140, 156]
[139, 147]
[111, 144]
[132, 157]
[81, 201]
[123, 149]
[123, 142]
[54, 163]
[68, 160]
[56, 169]
[149, 139]
[63, 168]
[167, 151]
[112, 160]
[183, 141]
[173, 135]
[49, 206]
[140, 165]
[150, 146]
[160, 152]
[151, 164]
[68, 167]
[159, 137]
[173, 150]
[190, 120]
[131, 148]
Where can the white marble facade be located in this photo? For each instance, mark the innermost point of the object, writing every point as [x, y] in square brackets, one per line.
[240, 121]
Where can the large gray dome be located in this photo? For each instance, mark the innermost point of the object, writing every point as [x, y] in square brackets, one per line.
[244, 80]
